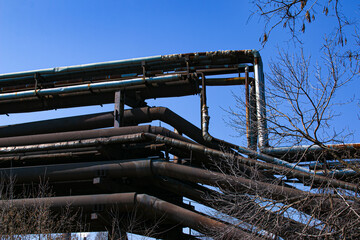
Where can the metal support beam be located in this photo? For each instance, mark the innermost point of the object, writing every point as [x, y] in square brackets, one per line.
[119, 108]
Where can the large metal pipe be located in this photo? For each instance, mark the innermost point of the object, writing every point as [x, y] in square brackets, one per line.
[250, 211]
[260, 100]
[236, 56]
[247, 161]
[135, 97]
[92, 142]
[88, 87]
[151, 206]
[146, 168]
[89, 134]
[103, 120]
[347, 149]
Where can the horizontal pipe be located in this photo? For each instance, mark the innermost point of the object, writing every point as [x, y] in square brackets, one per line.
[281, 151]
[88, 87]
[271, 159]
[103, 120]
[79, 135]
[131, 138]
[152, 206]
[225, 81]
[83, 67]
[135, 97]
[161, 59]
[146, 168]
[251, 212]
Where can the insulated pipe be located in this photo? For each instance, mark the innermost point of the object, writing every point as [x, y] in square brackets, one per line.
[102, 120]
[274, 160]
[152, 206]
[89, 87]
[167, 89]
[92, 142]
[260, 101]
[351, 148]
[84, 67]
[240, 56]
[247, 161]
[89, 134]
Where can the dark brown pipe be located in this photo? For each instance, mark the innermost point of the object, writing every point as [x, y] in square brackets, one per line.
[89, 134]
[103, 120]
[252, 162]
[145, 168]
[152, 206]
[250, 210]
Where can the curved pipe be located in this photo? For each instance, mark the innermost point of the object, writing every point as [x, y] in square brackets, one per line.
[102, 120]
[152, 206]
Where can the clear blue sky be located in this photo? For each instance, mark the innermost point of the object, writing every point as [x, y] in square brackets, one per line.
[41, 34]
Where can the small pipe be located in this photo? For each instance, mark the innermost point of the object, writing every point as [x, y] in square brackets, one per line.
[253, 117]
[247, 108]
[88, 87]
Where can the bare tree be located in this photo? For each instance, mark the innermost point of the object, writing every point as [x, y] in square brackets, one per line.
[25, 222]
[301, 106]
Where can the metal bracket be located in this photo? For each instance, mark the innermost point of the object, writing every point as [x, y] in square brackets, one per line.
[37, 78]
[119, 108]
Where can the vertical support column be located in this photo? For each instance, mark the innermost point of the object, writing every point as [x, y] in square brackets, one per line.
[253, 117]
[260, 101]
[119, 109]
[248, 133]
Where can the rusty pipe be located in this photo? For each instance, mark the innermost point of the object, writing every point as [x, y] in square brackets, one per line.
[247, 161]
[80, 135]
[152, 206]
[103, 120]
[146, 168]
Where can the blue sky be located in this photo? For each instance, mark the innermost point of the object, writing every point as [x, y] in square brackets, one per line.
[41, 34]
[38, 34]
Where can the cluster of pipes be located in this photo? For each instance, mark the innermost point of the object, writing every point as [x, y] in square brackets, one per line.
[96, 162]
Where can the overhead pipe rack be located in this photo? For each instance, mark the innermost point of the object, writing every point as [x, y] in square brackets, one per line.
[107, 159]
